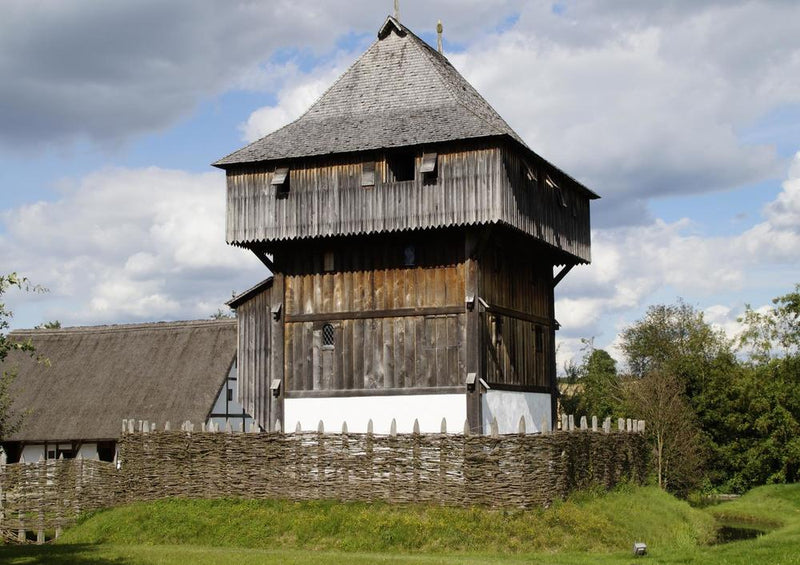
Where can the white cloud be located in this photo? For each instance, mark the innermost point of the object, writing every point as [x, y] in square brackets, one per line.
[643, 101]
[106, 71]
[299, 92]
[126, 244]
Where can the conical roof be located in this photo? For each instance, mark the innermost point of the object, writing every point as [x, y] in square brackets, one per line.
[400, 92]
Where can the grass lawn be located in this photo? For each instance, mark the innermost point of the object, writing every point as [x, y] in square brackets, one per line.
[588, 528]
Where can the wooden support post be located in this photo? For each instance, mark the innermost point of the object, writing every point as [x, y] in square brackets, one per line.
[473, 344]
[551, 352]
[276, 354]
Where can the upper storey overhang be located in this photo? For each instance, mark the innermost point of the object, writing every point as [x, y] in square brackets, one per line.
[399, 95]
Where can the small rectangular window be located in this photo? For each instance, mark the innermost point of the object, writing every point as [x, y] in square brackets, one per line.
[559, 194]
[280, 180]
[539, 339]
[368, 174]
[429, 161]
[328, 263]
[230, 394]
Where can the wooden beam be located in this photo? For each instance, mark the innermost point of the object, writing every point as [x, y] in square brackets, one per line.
[516, 314]
[473, 346]
[276, 365]
[374, 392]
[370, 314]
[264, 259]
[561, 274]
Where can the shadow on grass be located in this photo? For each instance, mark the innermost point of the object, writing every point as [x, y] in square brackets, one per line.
[77, 554]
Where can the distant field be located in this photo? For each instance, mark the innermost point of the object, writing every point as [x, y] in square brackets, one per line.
[588, 528]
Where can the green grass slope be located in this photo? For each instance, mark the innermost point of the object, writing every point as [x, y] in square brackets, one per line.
[589, 522]
[590, 528]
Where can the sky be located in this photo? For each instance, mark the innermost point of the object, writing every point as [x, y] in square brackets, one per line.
[683, 115]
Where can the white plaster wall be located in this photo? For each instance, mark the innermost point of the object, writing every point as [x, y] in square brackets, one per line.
[429, 409]
[88, 451]
[33, 453]
[508, 407]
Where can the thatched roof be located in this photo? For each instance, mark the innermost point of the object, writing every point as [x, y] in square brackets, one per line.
[167, 371]
[400, 92]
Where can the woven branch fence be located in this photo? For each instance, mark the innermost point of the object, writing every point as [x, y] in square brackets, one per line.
[498, 471]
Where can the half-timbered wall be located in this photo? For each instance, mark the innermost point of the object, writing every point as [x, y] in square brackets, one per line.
[478, 183]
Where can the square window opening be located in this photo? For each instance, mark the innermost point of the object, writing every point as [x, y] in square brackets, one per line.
[401, 165]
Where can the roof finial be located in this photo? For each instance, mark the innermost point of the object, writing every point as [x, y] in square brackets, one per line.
[439, 30]
[397, 10]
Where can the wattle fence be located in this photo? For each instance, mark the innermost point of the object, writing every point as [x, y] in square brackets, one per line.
[499, 471]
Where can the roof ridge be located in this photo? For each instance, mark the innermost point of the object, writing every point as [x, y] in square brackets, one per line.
[424, 48]
[112, 328]
[429, 52]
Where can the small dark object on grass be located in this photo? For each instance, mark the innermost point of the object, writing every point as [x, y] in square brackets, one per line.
[639, 548]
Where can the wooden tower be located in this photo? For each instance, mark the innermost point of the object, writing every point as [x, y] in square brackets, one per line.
[412, 238]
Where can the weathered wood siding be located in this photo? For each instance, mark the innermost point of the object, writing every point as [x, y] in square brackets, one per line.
[516, 282]
[558, 215]
[475, 184]
[254, 373]
[395, 326]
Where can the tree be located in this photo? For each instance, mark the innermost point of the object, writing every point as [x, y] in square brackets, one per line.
[221, 314]
[660, 400]
[9, 422]
[593, 386]
[767, 398]
[775, 331]
[676, 339]
[51, 325]
[673, 344]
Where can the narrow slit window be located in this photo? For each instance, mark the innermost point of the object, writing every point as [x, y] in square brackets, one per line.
[368, 174]
[559, 193]
[410, 256]
[328, 261]
[530, 173]
[539, 339]
[280, 180]
[328, 336]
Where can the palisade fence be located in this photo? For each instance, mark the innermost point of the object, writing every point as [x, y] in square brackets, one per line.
[499, 471]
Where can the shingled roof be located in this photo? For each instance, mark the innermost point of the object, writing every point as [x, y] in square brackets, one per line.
[101, 374]
[400, 92]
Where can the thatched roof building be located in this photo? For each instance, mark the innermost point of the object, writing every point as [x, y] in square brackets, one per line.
[96, 376]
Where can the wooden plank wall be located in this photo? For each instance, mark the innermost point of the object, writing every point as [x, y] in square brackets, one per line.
[476, 184]
[254, 374]
[378, 353]
[516, 281]
[536, 208]
[513, 355]
[395, 326]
